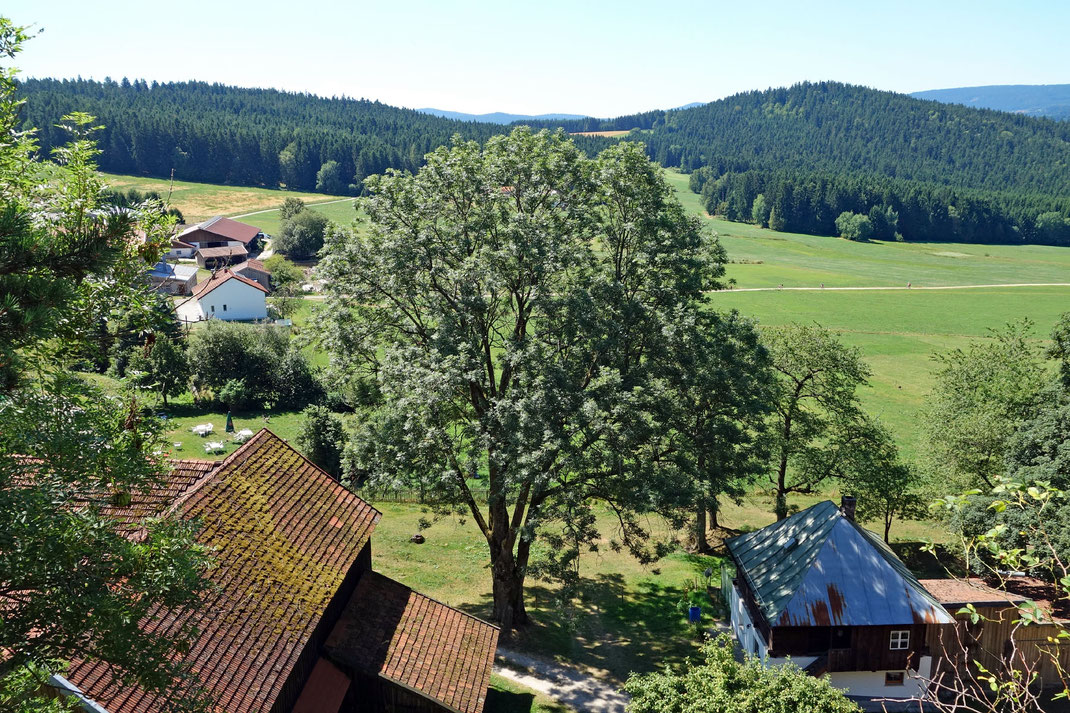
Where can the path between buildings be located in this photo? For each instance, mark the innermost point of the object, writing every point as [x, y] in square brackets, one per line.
[582, 692]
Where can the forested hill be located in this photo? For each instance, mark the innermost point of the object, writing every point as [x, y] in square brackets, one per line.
[839, 128]
[222, 134]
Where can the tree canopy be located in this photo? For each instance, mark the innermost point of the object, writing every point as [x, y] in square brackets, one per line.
[508, 319]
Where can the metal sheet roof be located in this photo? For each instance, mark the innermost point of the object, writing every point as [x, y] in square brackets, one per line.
[818, 568]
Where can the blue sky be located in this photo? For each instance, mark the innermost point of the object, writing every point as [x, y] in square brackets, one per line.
[599, 58]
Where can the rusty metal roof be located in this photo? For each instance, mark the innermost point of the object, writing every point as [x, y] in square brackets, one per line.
[818, 568]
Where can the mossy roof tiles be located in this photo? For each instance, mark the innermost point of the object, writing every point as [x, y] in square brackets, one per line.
[284, 536]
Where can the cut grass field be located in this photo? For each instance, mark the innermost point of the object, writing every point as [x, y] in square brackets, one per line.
[199, 201]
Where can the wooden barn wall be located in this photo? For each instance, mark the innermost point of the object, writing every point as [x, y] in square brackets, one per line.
[989, 641]
[376, 695]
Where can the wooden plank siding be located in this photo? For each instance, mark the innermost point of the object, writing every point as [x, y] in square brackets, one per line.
[855, 648]
[989, 641]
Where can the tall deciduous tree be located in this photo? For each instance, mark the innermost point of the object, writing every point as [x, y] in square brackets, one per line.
[511, 306]
[982, 394]
[816, 418]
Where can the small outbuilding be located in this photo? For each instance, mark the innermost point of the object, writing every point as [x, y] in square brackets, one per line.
[215, 258]
[820, 589]
[255, 271]
[179, 249]
[173, 279]
[225, 296]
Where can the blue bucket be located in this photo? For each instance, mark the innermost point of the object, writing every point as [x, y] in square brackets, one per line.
[694, 614]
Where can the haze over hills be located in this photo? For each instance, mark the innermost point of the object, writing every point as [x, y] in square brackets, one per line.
[1051, 100]
[497, 117]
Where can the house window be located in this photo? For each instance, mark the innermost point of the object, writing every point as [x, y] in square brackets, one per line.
[893, 678]
[224, 308]
[213, 309]
[900, 640]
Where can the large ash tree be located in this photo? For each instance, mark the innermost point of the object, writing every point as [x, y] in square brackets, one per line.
[510, 315]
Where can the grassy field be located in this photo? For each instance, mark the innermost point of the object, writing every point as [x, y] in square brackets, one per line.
[898, 330]
[199, 201]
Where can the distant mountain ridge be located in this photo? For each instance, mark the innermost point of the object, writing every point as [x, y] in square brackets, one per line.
[1050, 100]
[498, 117]
[501, 117]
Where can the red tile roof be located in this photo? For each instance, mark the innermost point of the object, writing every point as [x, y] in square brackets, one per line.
[223, 227]
[971, 591]
[252, 264]
[221, 277]
[285, 535]
[159, 496]
[388, 630]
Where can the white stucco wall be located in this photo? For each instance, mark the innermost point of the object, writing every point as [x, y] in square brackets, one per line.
[234, 300]
[871, 683]
[180, 252]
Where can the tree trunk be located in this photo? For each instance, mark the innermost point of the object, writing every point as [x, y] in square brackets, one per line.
[715, 507]
[508, 589]
[700, 544]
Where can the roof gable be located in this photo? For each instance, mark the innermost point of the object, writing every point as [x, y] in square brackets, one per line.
[224, 227]
[818, 568]
[285, 536]
[416, 642]
[221, 278]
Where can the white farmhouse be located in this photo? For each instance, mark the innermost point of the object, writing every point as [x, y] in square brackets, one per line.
[226, 296]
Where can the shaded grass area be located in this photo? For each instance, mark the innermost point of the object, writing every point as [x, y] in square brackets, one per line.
[199, 201]
[626, 617]
[505, 696]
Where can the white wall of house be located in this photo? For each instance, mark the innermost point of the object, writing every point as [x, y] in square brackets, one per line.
[872, 683]
[234, 300]
[748, 636]
[181, 252]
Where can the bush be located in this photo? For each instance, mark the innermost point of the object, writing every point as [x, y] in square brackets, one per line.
[249, 365]
[322, 439]
[854, 226]
[286, 278]
[720, 684]
[302, 235]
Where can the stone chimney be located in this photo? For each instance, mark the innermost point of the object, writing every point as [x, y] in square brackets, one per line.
[847, 506]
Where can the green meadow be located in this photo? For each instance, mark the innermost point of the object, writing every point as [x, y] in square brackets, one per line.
[898, 330]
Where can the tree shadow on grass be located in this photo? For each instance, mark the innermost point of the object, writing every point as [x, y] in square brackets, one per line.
[612, 625]
[927, 565]
[502, 701]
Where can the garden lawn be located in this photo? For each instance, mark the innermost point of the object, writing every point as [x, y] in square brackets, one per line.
[200, 201]
[626, 617]
[182, 415]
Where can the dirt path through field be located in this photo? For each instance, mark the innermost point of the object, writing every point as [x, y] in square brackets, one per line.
[307, 205]
[898, 287]
[578, 690]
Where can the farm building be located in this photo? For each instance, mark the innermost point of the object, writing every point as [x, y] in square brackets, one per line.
[225, 296]
[831, 595]
[173, 279]
[298, 621]
[988, 641]
[220, 232]
[179, 249]
[214, 258]
[255, 271]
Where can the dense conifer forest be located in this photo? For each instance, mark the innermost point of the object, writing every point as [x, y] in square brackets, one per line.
[917, 170]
